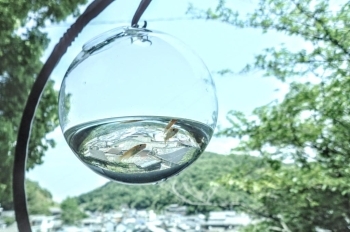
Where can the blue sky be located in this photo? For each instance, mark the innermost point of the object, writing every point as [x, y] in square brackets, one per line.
[220, 45]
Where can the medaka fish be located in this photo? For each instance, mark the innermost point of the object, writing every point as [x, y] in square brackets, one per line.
[132, 151]
[170, 133]
[170, 124]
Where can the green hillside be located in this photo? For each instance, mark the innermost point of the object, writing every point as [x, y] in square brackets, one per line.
[195, 187]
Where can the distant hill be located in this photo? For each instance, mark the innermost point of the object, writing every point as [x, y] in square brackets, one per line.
[195, 185]
[39, 199]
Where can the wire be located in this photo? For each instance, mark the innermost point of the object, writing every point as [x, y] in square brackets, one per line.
[109, 22]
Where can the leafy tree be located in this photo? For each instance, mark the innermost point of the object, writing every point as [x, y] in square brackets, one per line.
[22, 42]
[197, 187]
[39, 200]
[71, 214]
[309, 128]
[8, 220]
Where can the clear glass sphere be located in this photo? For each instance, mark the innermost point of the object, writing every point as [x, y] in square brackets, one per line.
[137, 106]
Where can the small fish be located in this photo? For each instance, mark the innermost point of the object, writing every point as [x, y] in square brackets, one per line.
[132, 151]
[170, 133]
[170, 124]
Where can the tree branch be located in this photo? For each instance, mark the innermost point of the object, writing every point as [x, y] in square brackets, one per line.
[326, 30]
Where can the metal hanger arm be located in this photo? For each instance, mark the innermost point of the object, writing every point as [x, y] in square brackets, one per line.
[19, 167]
[142, 7]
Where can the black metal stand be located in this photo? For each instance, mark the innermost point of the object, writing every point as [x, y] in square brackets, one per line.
[19, 196]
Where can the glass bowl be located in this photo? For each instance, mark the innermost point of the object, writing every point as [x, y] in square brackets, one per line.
[137, 106]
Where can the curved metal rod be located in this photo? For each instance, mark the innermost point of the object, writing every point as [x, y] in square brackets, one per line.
[142, 7]
[19, 197]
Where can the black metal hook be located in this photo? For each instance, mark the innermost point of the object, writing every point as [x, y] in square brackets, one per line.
[142, 7]
[144, 24]
[19, 196]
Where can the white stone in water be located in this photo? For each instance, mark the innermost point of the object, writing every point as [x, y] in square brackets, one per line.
[114, 150]
[175, 156]
[97, 154]
[113, 157]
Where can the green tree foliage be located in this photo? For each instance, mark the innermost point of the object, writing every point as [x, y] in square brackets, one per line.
[309, 128]
[71, 214]
[198, 189]
[22, 43]
[39, 200]
[8, 220]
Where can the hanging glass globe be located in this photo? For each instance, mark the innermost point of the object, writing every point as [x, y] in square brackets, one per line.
[137, 106]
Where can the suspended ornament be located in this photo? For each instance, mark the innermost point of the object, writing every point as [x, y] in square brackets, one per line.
[137, 105]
